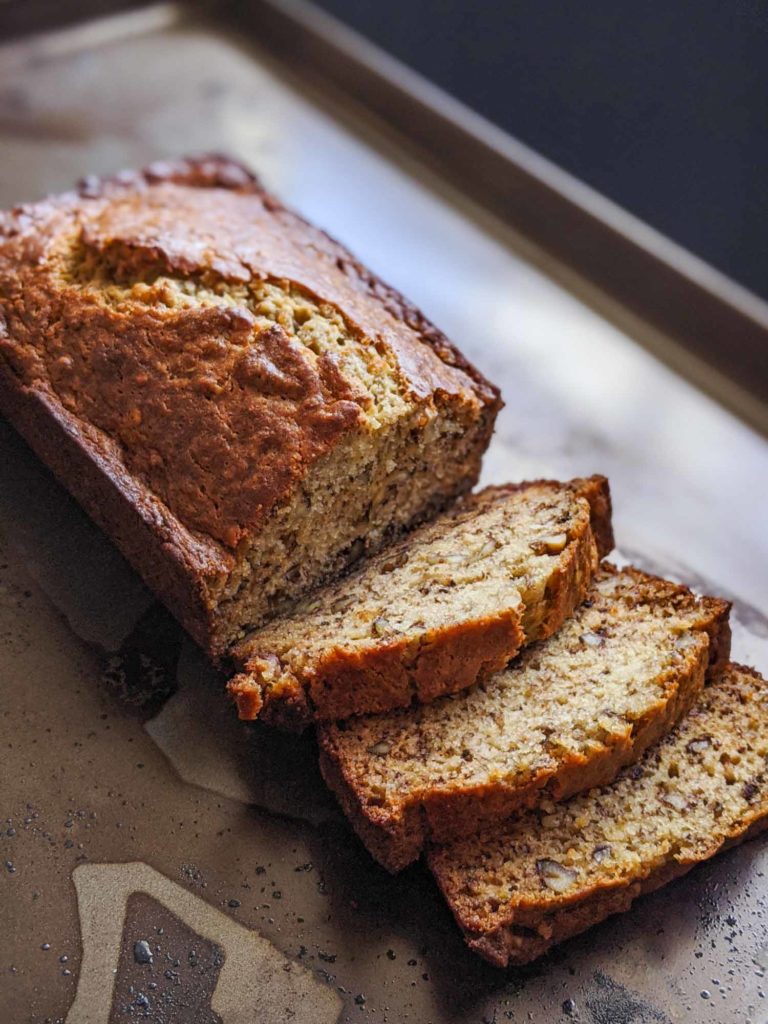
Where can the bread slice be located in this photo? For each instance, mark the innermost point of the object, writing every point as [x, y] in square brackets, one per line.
[565, 716]
[557, 870]
[449, 605]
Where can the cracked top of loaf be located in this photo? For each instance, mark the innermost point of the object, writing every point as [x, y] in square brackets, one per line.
[142, 293]
[211, 346]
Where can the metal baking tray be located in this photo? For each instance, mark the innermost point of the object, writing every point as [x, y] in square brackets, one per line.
[137, 815]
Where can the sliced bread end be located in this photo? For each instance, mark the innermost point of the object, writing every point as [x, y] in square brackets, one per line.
[519, 889]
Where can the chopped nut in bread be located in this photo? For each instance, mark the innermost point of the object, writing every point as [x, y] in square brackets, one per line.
[523, 886]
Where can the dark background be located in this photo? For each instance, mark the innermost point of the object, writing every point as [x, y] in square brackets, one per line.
[661, 105]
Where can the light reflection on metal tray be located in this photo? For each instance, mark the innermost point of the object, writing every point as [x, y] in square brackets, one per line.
[581, 397]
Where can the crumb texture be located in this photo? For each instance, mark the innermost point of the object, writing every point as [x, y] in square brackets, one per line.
[560, 868]
[513, 559]
[568, 711]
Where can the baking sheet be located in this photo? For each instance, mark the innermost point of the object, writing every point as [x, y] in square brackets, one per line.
[135, 808]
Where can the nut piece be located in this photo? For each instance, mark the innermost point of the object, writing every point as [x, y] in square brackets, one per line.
[699, 744]
[380, 626]
[750, 790]
[554, 875]
[551, 545]
[603, 851]
[379, 748]
[268, 667]
[676, 800]
[489, 548]
[592, 639]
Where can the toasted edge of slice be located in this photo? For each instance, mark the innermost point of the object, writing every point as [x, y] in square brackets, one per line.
[341, 680]
[395, 829]
[525, 926]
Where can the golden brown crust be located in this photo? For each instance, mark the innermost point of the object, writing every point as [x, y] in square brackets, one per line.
[572, 577]
[395, 836]
[597, 492]
[169, 558]
[222, 172]
[392, 847]
[199, 437]
[349, 682]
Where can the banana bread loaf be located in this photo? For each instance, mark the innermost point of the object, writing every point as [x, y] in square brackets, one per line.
[553, 872]
[564, 716]
[450, 604]
[233, 398]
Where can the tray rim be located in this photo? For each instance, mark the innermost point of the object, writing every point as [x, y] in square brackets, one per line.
[657, 292]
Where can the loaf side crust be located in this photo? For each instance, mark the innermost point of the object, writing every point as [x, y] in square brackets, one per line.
[170, 560]
[379, 679]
